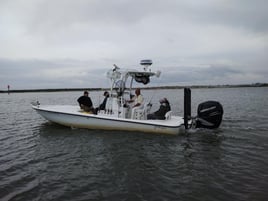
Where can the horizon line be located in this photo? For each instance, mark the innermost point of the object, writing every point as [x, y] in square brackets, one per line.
[153, 87]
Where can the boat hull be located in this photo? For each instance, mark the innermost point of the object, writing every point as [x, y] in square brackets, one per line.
[71, 116]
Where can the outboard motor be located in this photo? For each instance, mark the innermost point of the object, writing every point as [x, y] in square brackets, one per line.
[209, 115]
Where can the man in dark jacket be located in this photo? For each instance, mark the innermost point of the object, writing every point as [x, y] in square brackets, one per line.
[103, 104]
[160, 113]
[85, 102]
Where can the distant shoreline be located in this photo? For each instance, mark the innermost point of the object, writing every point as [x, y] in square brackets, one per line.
[144, 88]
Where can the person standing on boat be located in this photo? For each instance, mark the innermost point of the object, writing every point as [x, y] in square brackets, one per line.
[160, 113]
[85, 103]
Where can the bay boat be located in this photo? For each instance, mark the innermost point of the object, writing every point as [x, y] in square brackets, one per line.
[118, 116]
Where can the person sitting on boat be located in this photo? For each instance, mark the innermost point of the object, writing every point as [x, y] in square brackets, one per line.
[103, 104]
[85, 103]
[163, 109]
[137, 99]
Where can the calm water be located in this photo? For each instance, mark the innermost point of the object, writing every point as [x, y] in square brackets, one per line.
[43, 161]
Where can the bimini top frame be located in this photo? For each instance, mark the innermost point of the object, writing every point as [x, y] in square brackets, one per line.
[119, 78]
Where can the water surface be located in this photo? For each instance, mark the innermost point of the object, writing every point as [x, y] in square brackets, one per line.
[40, 160]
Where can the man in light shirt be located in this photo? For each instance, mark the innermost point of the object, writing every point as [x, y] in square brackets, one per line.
[138, 102]
[137, 99]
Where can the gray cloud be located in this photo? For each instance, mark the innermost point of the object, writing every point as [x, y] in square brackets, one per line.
[32, 74]
[67, 43]
[191, 75]
[244, 13]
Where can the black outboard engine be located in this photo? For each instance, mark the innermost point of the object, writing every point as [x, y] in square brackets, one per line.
[209, 115]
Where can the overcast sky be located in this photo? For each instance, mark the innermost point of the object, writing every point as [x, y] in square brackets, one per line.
[72, 43]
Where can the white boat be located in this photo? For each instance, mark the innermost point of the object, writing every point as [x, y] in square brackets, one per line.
[118, 116]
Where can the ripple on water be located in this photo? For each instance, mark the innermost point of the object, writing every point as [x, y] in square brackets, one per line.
[43, 161]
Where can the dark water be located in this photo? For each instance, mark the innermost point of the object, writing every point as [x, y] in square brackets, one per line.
[44, 161]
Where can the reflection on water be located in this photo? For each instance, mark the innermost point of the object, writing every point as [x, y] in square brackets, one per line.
[40, 160]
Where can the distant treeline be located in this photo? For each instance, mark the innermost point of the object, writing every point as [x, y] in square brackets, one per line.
[158, 87]
[49, 90]
[211, 86]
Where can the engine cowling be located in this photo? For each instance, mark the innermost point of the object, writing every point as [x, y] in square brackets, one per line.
[209, 115]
